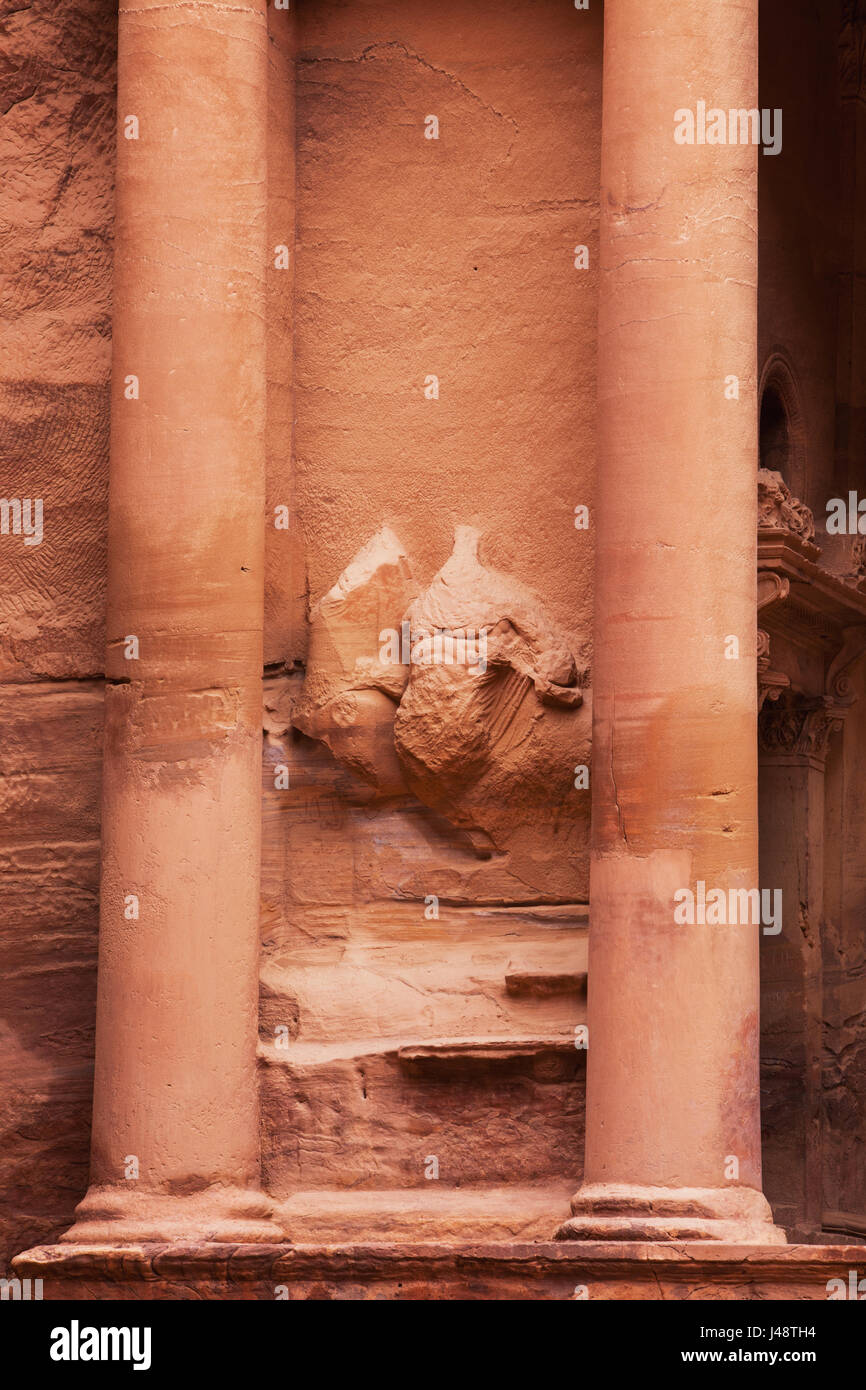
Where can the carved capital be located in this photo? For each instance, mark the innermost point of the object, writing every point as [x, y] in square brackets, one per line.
[799, 726]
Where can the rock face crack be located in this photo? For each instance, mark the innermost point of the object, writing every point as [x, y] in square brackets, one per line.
[19, 101]
[619, 814]
[374, 49]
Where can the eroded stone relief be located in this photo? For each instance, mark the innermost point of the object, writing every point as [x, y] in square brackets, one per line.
[461, 693]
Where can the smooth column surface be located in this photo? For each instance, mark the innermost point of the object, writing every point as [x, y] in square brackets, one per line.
[175, 1147]
[673, 1144]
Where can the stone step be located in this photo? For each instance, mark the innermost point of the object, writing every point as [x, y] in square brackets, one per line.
[487, 1109]
[431, 1212]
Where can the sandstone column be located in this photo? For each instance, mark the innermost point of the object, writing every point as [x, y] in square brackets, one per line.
[795, 734]
[175, 1124]
[673, 1144]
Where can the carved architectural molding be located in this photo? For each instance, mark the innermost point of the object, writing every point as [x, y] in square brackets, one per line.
[838, 683]
[780, 510]
[803, 602]
[772, 588]
[770, 683]
[799, 726]
[855, 560]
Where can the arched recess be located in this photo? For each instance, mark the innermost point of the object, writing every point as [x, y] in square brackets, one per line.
[781, 425]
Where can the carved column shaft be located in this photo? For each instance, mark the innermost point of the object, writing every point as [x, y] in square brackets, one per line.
[673, 1136]
[175, 1123]
[794, 741]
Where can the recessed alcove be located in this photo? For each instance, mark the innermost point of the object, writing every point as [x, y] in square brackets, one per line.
[781, 427]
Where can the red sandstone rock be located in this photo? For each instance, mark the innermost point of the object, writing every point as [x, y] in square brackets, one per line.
[424, 844]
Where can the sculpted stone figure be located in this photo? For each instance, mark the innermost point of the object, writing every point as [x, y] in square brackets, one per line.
[779, 509]
[462, 695]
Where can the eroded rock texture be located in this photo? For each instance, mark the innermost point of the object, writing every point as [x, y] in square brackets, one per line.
[466, 702]
[477, 730]
[57, 150]
[57, 147]
[426, 1014]
[425, 877]
[461, 267]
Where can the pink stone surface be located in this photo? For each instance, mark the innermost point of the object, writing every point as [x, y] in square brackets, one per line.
[411, 843]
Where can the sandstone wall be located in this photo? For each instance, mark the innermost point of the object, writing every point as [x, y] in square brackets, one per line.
[460, 264]
[56, 147]
[454, 258]
[410, 1034]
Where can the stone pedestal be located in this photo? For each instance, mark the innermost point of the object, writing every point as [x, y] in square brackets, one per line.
[556, 1271]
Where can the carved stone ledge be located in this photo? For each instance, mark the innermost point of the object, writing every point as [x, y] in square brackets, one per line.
[541, 984]
[508, 1270]
[544, 1059]
[805, 605]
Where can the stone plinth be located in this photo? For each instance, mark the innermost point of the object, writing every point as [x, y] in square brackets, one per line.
[695, 1270]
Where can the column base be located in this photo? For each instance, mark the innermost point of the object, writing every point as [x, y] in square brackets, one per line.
[222, 1214]
[626, 1212]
